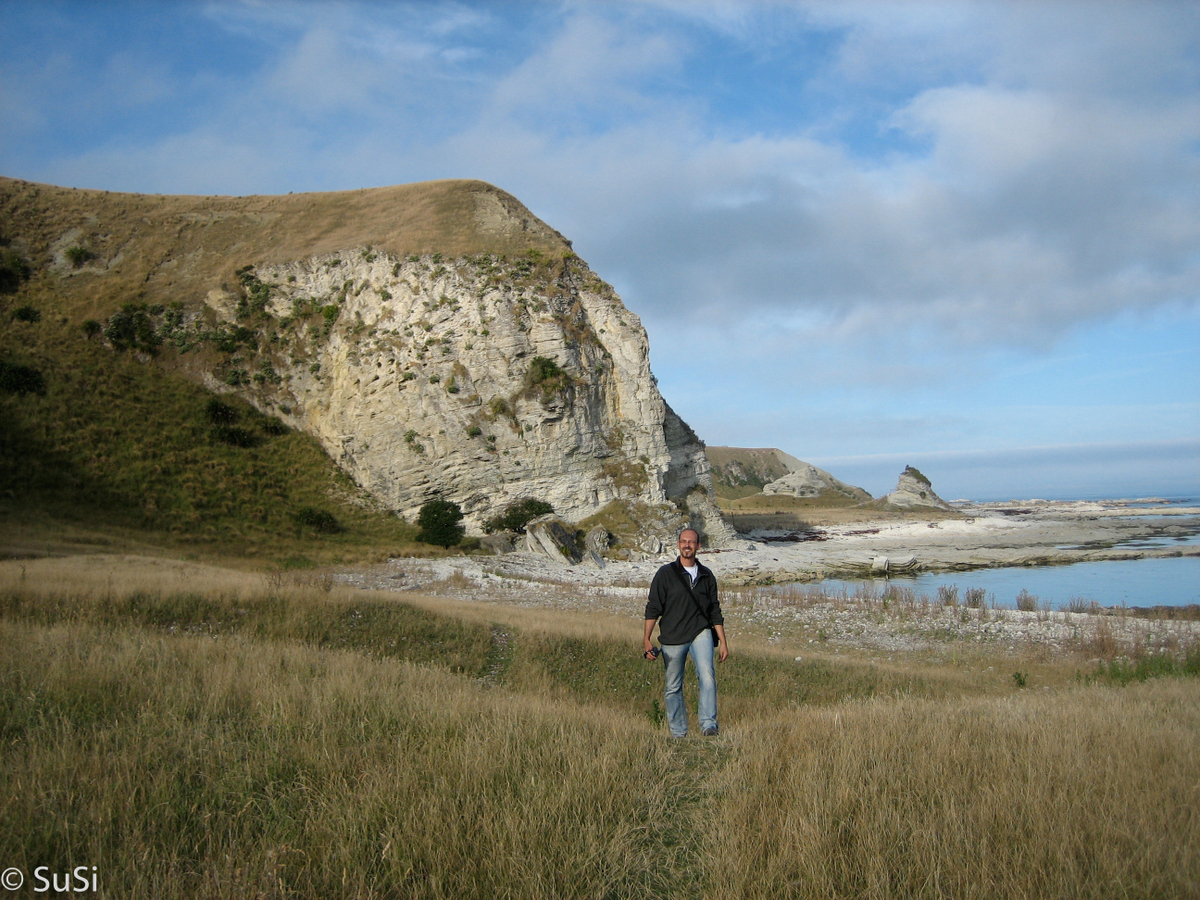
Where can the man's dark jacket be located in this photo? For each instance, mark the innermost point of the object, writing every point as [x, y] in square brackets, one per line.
[679, 619]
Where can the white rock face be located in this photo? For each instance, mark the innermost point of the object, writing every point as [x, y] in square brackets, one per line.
[480, 380]
[806, 480]
[914, 490]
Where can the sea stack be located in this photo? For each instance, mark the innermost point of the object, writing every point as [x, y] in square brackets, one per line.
[914, 490]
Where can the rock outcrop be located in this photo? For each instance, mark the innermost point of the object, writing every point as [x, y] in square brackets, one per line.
[437, 339]
[913, 490]
[737, 471]
[550, 536]
[807, 480]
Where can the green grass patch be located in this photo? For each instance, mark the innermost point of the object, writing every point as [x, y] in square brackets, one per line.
[369, 626]
[123, 444]
[1143, 668]
[613, 673]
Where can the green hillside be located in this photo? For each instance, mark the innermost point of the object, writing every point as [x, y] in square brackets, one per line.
[742, 471]
[110, 445]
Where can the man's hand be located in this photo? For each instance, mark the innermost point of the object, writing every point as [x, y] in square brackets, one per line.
[723, 645]
[647, 644]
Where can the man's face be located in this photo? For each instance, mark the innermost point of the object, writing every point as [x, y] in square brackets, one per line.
[689, 543]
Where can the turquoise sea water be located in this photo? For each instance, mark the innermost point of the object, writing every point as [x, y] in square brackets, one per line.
[1174, 581]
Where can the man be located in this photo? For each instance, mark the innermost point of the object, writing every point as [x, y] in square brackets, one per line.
[683, 600]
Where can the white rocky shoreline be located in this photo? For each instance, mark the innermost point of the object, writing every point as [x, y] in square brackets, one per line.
[1028, 533]
[1016, 533]
[763, 590]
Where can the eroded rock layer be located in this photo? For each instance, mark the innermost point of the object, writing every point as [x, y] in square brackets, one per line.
[480, 379]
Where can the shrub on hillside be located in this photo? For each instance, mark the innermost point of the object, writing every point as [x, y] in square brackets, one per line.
[18, 379]
[439, 523]
[218, 412]
[274, 427]
[132, 328]
[545, 377]
[77, 255]
[235, 436]
[29, 314]
[517, 515]
[319, 520]
[13, 271]
[257, 293]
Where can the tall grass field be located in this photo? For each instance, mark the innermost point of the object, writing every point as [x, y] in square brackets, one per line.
[186, 731]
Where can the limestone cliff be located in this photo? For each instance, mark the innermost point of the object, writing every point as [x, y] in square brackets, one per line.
[438, 339]
[480, 379]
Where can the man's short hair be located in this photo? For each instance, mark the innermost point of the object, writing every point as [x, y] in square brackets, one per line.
[685, 531]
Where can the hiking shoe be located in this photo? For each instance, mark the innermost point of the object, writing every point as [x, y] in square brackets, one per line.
[710, 732]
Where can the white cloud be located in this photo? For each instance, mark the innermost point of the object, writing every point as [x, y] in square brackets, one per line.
[1015, 212]
[953, 178]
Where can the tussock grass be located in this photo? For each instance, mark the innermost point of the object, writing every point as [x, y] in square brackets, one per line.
[183, 767]
[1091, 794]
[194, 731]
[192, 599]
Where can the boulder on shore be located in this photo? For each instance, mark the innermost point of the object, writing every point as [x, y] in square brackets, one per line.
[550, 536]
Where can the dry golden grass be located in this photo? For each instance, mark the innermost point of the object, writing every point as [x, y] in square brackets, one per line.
[184, 767]
[1091, 793]
[284, 750]
[160, 248]
[121, 574]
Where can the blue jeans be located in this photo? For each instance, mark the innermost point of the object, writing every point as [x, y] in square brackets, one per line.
[675, 658]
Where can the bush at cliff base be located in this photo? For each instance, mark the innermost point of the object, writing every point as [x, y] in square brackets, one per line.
[438, 521]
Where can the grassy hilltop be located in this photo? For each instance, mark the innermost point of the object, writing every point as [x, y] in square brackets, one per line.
[739, 475]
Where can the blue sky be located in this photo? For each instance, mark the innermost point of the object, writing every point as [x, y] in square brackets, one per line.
[962, 236]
